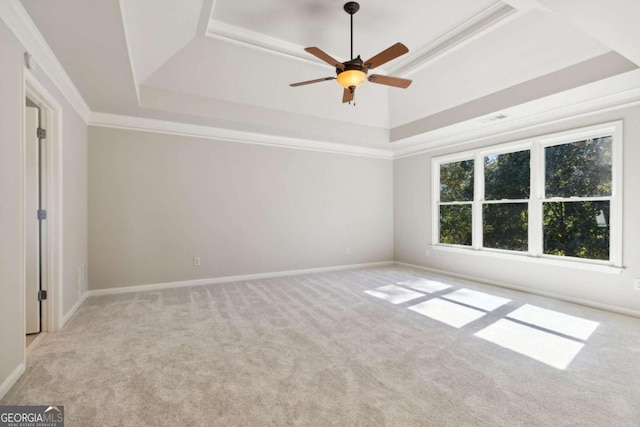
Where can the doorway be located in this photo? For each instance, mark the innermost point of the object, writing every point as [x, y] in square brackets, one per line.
[41, 191]
[35, 215]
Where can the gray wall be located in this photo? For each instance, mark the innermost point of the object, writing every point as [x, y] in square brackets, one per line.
[74, 209]
[75, 204]
[156, 201]
[412, 225]
[11, 311]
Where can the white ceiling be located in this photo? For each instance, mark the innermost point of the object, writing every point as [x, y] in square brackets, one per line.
[226, 63]
[155, 34]
[377, 25]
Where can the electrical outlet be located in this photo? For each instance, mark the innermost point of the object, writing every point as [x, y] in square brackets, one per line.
[196, 261]
[426, 251]
[636, 284]
[347, 250]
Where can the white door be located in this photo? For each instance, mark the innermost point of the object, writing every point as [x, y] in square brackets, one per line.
[32, 226]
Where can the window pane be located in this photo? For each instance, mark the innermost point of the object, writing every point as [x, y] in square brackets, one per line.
[581, 169]
[455, 224]
[456, 181]
[505, 226]
[577, 229]
[506, 176]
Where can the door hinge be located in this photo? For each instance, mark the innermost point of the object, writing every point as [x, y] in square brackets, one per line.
[42, 295]
[42, 214]
[42, 133]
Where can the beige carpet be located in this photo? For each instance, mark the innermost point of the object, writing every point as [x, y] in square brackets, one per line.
[316, 350]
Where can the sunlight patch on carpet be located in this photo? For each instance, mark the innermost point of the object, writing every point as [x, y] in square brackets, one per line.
[425, 285]
[450, 313]
[544, 347]
[477, 299]
[394, 294]
[554, 321]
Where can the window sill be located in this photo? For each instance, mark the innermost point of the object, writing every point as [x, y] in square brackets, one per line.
[546, 260]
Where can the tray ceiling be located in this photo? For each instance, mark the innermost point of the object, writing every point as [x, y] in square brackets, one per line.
[228, 63]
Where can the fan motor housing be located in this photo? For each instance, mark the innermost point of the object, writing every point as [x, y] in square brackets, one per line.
[354, 64]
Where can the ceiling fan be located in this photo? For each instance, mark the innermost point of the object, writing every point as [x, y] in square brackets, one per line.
[353, 73]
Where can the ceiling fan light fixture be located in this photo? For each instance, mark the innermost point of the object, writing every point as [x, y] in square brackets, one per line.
[349, 78]
[353, 73]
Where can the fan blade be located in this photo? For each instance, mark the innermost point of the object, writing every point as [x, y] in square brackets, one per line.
[325, 57]
[390, 81]
[348, 94]
[387, 55]
[308, 82]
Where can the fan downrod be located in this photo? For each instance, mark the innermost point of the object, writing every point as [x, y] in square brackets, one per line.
[351, 7]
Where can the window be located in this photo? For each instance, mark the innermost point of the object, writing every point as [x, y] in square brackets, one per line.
[577, 200]
[506, 200]
[557, 196]
[456, 194]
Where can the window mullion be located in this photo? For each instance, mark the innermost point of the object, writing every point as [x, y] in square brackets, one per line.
[435, 210]
[478, 198]
[615, 236]
[536, 196]
[580, 199]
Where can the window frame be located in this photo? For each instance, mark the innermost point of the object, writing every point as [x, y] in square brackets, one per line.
[453, 159]
[536, 145]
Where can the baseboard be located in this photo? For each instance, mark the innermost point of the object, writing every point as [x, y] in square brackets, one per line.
[12, 379]
[226, 279]
[35, 342]
[588, 303]
[73, 310]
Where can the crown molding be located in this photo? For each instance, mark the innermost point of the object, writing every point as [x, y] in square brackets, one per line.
[470, 30]
[20, 23]
[456, 136]
[231, 33]
[230, 135]
[587, 108]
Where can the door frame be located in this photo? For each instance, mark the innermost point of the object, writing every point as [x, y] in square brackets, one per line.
[51, 190]
[35, 230]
